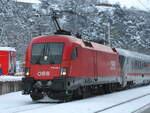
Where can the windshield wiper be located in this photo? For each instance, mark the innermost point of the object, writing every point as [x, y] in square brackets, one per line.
[38, 61]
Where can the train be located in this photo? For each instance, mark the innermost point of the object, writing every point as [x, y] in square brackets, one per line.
[64, 67]
[7, 61]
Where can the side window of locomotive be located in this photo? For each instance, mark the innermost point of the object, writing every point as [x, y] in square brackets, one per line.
[74, 54]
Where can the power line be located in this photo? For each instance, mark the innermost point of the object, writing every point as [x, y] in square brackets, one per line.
[143, 5]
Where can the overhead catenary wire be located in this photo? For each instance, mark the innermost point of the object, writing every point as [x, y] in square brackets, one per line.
[143, 5]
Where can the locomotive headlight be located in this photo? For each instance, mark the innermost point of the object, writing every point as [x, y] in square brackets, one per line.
[27, 71]
[63, 71]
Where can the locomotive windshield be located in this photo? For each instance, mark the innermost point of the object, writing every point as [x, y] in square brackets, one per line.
[47, 53]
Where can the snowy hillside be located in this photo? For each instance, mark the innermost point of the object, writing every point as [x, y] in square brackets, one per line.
[130, 28]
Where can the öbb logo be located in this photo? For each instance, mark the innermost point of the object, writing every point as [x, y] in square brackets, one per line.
[43, 73]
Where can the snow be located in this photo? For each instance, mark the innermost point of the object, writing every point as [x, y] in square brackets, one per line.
[13, 102]
[29, 1]
[130, 107]
[105, 8]
[7, 49]
[23, 103]
[4, 78]
[143, 5]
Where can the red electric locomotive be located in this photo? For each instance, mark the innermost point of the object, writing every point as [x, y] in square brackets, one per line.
[60, 65]
[7, 61]
[63, 67]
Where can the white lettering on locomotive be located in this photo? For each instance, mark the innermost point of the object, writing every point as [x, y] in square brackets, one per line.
[43, 73]
[113, 65]
[55, 67]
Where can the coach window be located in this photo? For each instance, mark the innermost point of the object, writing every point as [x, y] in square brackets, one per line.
[75, 53]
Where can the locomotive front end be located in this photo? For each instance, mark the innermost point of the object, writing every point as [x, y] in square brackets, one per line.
[46, 68]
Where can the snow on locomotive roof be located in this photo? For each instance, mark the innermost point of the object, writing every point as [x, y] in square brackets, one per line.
[132, 54]
[7, 49]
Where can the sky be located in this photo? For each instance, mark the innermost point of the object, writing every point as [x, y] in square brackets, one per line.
[139, 4]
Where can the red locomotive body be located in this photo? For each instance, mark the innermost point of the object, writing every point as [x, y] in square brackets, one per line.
[62, 66]
[64, 63]
[91, 61]
[7, 60]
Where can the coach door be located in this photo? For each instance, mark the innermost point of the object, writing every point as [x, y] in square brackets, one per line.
[123, 63]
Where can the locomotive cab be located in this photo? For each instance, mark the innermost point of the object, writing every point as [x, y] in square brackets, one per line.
[48, 63]
[46, 60]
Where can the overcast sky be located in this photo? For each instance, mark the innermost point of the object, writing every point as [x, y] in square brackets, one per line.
[140, 4]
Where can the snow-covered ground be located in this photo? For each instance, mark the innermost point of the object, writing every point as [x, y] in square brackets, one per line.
[5, 78]
[18, 103]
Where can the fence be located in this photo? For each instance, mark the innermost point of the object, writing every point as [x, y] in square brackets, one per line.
[10, 86]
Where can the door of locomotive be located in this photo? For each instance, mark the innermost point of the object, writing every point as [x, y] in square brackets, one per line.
[75, 68]
[95, 64]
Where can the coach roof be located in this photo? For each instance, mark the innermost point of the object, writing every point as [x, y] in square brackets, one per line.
[132, 54]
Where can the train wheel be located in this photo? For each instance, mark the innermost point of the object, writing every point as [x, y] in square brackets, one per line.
[36, 95]
[108, 88]
[86, 92]
[77, 94]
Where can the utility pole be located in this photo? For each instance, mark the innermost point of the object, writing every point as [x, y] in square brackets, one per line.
[105, 5]
[108, 38]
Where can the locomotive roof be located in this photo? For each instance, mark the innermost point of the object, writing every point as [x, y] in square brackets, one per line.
[7, 49]
[72, 39]
[132, 54]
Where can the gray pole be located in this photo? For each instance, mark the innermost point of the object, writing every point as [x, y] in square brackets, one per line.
[109, 37]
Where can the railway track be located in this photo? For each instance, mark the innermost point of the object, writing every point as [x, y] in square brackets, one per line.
[129, 101]
[141, 108]
[110, 108]
[31, 108]
[46, 102]
[105, 110]
[23, 108]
